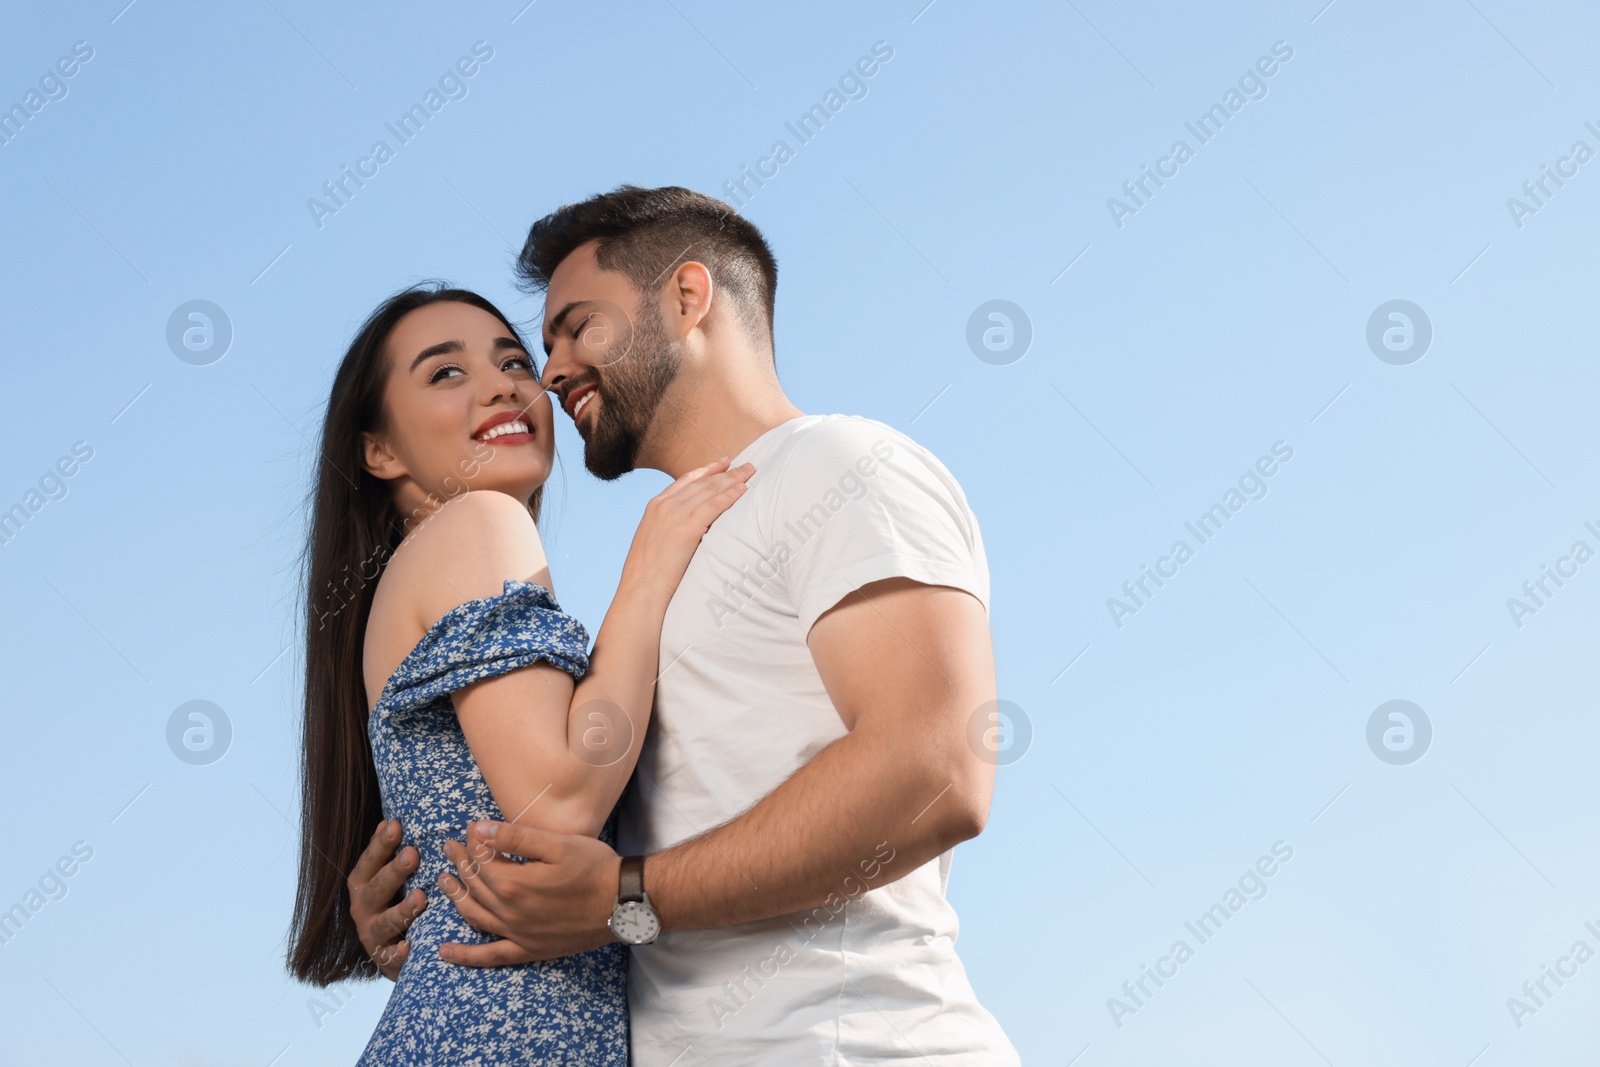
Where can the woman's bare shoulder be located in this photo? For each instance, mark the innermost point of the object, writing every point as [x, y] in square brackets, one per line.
[474, 535]
[466, 550]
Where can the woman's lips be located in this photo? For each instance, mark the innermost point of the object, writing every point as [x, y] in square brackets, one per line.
[517, 431]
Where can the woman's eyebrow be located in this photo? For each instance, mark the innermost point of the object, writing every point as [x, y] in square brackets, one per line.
[439, 349]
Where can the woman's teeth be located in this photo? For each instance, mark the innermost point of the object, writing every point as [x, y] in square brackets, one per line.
[503, 429]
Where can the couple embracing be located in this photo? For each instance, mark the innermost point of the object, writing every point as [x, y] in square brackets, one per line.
[719, 834]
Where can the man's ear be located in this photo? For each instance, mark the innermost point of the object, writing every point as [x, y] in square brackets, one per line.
[689, 295]
[379, 459]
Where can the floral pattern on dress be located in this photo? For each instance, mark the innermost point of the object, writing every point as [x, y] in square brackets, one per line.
[572, 1010]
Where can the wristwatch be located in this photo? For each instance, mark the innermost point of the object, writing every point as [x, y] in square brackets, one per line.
[633, 920]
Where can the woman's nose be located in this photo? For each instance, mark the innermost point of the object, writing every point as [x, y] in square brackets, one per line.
[502, 386]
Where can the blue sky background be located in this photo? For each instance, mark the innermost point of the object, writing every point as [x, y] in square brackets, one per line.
[1228, 313]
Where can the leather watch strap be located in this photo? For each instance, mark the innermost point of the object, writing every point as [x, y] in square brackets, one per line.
[630, 882]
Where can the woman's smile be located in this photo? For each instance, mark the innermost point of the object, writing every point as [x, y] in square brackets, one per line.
[506, 428]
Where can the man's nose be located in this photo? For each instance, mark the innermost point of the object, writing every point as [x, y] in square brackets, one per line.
[558, 368]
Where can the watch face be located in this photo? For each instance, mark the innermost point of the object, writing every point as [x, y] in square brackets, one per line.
[635, 923]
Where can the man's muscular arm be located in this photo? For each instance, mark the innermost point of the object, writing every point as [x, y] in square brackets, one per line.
[907, 665]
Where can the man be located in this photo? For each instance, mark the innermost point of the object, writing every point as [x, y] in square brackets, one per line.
[825, 667]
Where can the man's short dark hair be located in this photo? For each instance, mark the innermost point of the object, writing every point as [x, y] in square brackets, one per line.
[645, 233]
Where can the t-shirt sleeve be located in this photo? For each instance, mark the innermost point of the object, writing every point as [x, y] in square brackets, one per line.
[859, 502]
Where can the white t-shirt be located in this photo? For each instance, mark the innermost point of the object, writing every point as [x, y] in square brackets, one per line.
[836, 501]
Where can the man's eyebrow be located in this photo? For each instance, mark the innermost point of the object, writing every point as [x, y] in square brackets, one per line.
[439, 349]
[551, 325]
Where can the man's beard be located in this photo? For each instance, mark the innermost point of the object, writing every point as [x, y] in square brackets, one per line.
[630, 391]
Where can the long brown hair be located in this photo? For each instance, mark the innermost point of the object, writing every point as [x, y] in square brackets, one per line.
[355, 527]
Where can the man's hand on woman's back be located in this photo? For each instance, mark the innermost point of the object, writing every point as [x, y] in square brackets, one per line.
[378, 875]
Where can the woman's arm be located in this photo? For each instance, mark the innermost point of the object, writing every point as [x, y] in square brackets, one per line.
[557, 755]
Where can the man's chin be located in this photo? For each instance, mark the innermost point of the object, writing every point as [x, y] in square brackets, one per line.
[606, 460]
[607, 473]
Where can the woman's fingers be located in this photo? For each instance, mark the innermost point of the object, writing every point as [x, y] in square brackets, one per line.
[690, 477]
[677, 518]
[715, 465]
[706, 512]
[682, 506]
[716, 483]
[718, 495]
[710, 474]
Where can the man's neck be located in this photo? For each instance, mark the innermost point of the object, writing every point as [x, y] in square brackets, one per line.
[696, 422]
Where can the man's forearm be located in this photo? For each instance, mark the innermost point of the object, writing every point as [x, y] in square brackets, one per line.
[822, 833]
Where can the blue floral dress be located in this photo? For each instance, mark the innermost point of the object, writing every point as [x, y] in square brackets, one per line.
[572, 1010]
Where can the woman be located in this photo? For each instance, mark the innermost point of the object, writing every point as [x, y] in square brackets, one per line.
[443, 682]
